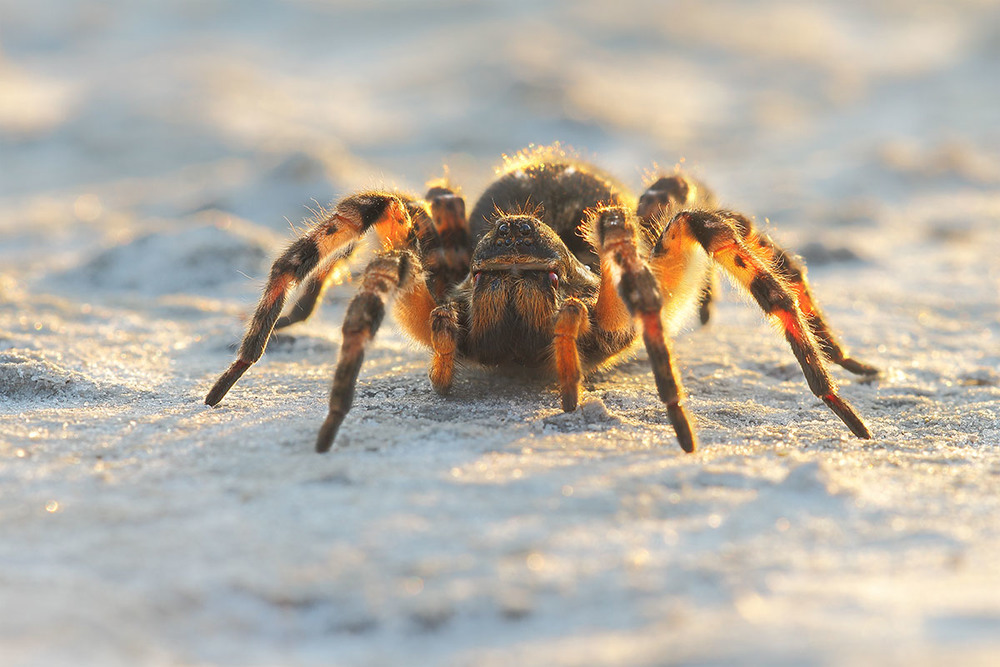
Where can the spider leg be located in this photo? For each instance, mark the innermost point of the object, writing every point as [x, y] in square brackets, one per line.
[444, 341]
[328, 240]
[312, 292]
[792, 270]
[616, 232]
[321, 277]
[722, 234]
[659, 203]
[446, 252]
[391, 273]
[707, 299]
[572, 321]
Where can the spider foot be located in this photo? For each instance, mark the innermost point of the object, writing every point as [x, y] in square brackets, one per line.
[226, 382]
[858, 367]
[847, 414]
[328, 431]
[682, 427]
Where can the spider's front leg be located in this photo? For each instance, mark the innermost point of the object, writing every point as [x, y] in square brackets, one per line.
[328, 240]
[617, 241]
[392, 273]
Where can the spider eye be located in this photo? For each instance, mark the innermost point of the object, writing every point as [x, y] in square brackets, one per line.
[554, 279]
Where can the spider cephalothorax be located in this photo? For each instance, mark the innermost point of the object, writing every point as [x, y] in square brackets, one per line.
[521, 274]
[557, 267]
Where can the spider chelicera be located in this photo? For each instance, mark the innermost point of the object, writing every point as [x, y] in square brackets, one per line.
[558, 267]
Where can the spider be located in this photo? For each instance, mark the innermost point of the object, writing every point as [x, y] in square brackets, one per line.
[558, 267]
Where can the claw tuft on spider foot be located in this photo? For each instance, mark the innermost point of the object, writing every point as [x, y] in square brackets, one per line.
[570, 400]
[226, 382]
[328, 431]
[682, 427]
[858, 367]
[847, 414]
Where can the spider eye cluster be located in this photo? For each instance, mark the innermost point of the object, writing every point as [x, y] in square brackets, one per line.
[514, 233]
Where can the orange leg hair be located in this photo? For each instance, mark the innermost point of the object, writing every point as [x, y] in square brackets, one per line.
[571, 322]
[444, 340]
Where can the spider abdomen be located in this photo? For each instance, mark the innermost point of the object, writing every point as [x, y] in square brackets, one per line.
[558, 193]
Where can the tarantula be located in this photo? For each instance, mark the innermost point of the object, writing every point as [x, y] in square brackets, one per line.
[558, 267]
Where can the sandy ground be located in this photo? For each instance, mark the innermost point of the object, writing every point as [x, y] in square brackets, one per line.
[152, 158]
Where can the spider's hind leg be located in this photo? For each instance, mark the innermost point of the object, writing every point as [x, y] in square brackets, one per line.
[791, 269]
[312, 291]
[445, 242]
[722, 234]
[433, 225]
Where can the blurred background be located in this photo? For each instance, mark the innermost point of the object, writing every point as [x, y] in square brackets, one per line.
[124, 111]
[154, 156]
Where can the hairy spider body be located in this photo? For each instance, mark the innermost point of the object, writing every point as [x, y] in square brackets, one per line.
[557, 267]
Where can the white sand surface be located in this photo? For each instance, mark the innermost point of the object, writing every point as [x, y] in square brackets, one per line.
[155, 156]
